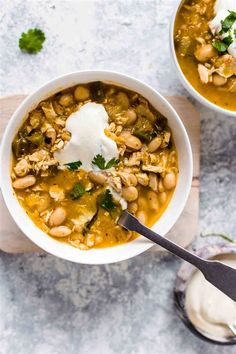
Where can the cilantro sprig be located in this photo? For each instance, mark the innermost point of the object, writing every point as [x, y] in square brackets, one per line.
[100, 161]
[106, 201]
[228, 22]
[223, 45]
[77, 191]
[73, 165]
[32, 41]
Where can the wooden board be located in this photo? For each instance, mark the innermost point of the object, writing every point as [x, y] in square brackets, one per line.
[14, 241]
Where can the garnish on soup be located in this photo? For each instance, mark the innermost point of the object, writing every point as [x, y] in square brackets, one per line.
[205, 43]
[86, 153]
[100, 161]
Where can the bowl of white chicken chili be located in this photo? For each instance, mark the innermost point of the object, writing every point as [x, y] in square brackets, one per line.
[83, 148]
[203, 47]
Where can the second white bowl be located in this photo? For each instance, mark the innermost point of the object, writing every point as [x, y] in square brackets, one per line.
[181, 75]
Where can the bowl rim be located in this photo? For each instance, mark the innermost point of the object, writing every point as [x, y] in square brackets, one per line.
[26, 223]
[187, 85]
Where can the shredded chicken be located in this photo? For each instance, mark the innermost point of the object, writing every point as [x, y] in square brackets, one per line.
[203, 73]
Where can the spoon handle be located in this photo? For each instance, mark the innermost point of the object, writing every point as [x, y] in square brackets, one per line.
[133, 224]
[217, 273]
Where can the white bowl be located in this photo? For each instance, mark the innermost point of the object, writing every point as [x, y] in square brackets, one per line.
[102, 255]
[181, 75]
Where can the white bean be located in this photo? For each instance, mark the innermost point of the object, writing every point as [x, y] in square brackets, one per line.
[81, 93]
[60, 231]
[57, 217]
[169, 180]
[218, 80]
[131, 117]
[153, 201]
[154, 144]
[21, 168]
[133, 142]
[130, 193]
[24, 182]
[98, 178]
[205, 52]
[142, 203]
[66, 100]
[163, 197]
[128, 179]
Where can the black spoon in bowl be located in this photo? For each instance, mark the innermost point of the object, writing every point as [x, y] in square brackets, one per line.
[220, 275]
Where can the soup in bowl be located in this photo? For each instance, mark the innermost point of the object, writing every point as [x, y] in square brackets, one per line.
[82, 149]
[203, 42]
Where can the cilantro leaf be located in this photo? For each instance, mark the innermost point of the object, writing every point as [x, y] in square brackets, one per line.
[99, 161]
[73, 165]
[111, 163]
[77, 191]
[221, 46]
[32, 41]
[106, 201]
[228, 40]
[228, 22]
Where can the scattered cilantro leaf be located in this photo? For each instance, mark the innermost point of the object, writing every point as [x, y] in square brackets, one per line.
[77, 191]
[106, 201]
[224, 237]
[228, 40]
[221, 46]
[228, 22]
[32, 41]
[100, 161]
[111, 163]
[73, 165]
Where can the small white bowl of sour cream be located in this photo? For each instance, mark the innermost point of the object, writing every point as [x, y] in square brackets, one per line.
[97, 255]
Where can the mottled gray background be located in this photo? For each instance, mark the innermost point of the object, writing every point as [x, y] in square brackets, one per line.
[50, 306]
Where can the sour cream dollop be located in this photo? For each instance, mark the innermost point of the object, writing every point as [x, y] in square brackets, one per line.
[88, 138]
[222, 8]
[208, 308]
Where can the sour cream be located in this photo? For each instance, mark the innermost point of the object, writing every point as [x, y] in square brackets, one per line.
[208, 308]
[88, 138]
[222, 8]
[225, 4]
